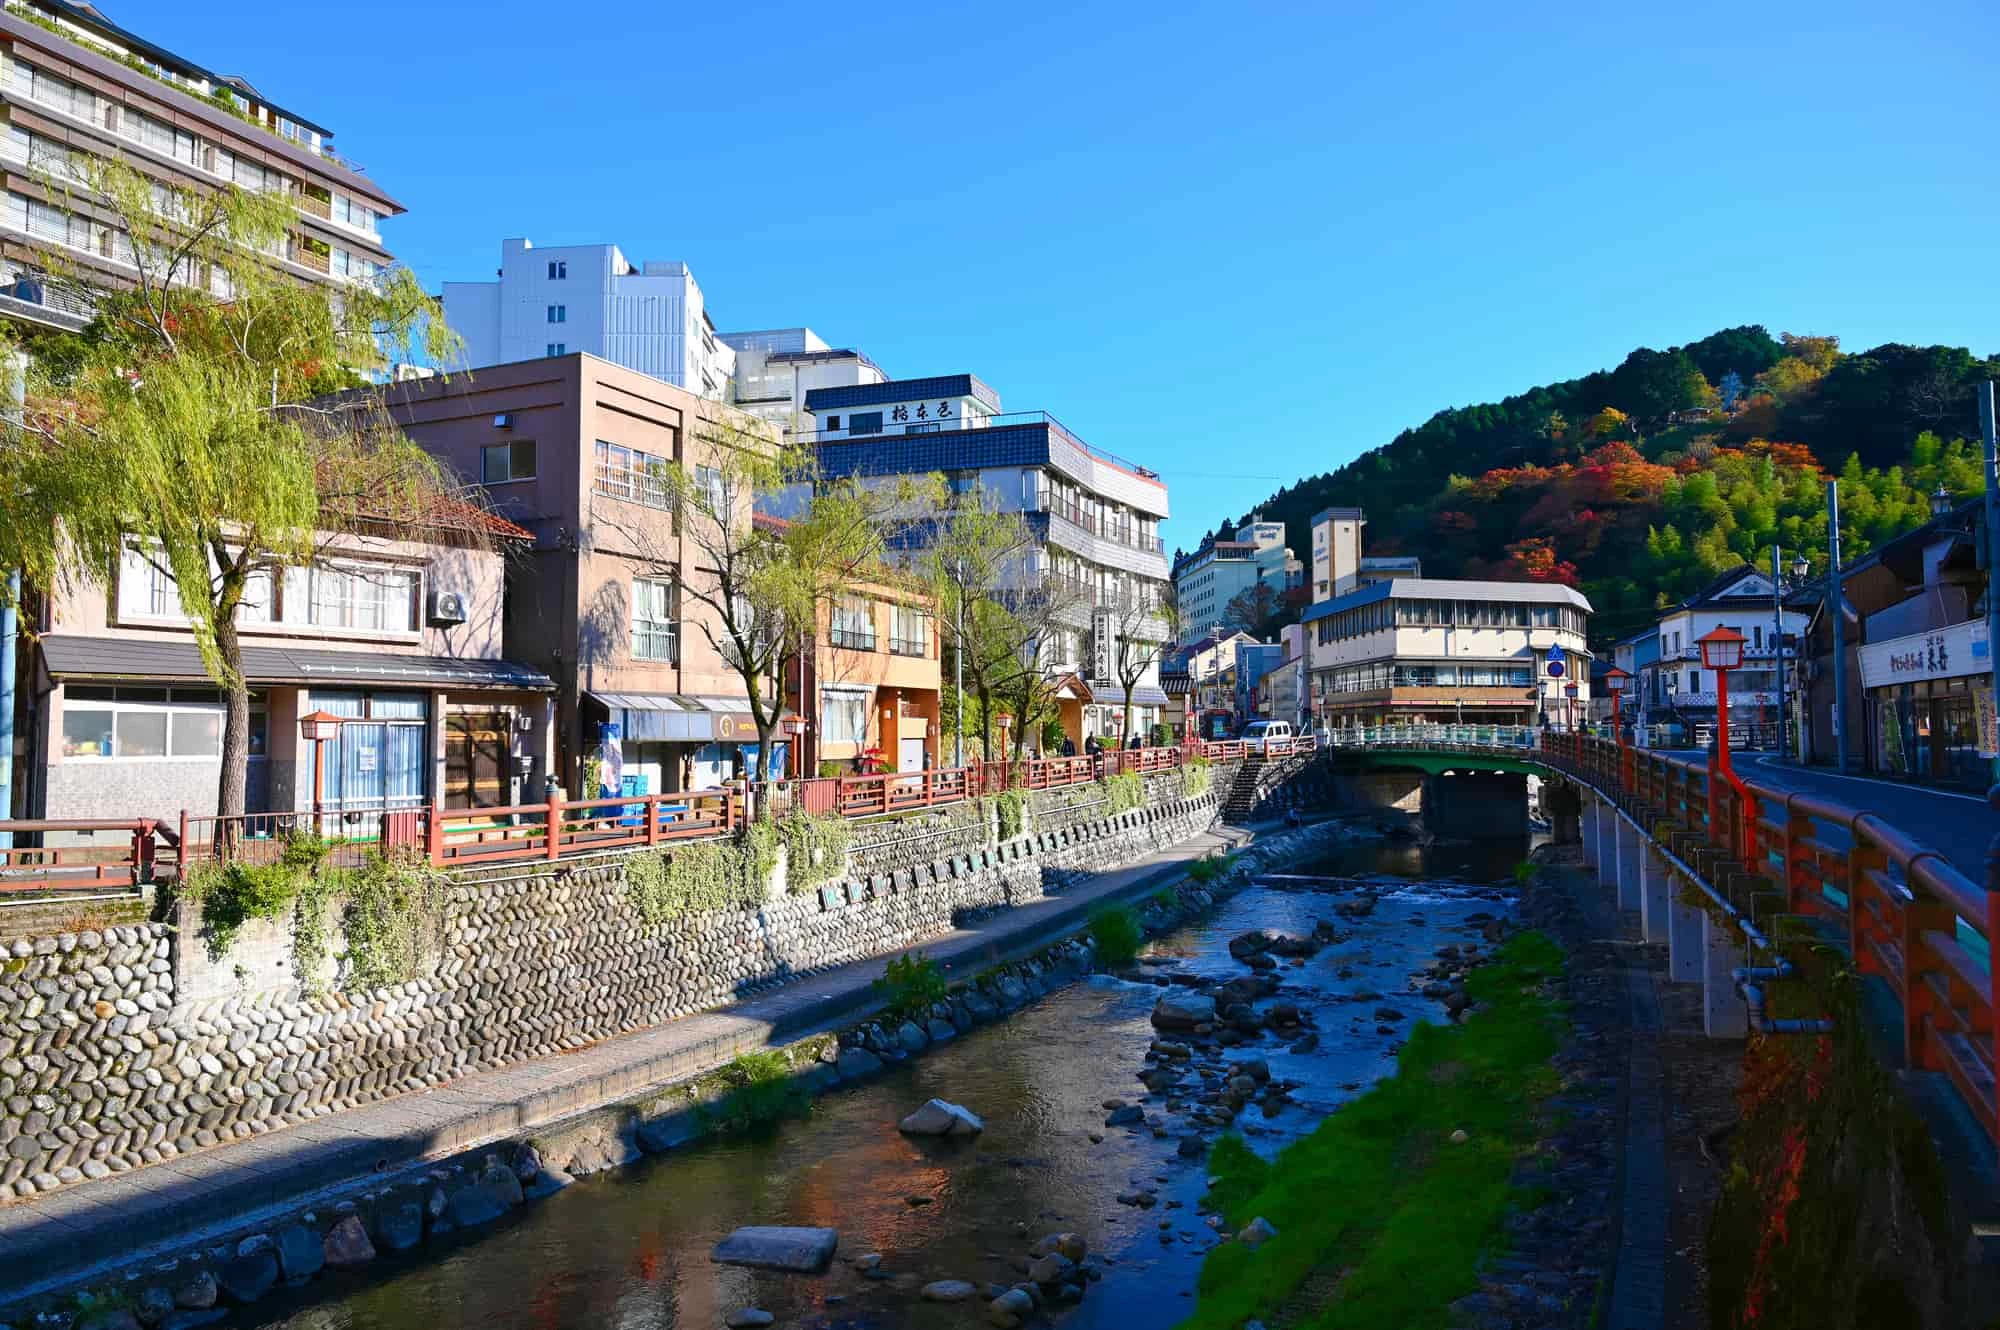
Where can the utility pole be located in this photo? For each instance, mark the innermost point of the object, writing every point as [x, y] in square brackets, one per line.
[1987, 428]
[1778, 642]
[958, 668]
[1836, 608]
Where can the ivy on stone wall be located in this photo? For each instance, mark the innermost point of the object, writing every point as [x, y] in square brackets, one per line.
[1195, 777]
[232, 894]
[1124, 792]
[702, 876]
[815, 848]
[392, 918]
[1011, 808]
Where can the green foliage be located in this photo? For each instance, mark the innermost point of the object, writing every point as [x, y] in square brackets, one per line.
[1012, 809]
[1124, 791]
[701, 877]
[1379, 1192]
[1524, 872]
[815, 848]
[760, 1090]
[1196, 776]
[913, 984]
[391, 918]
[1209, 868]
[230, 895]
[829, 768]
[1115, 930]
[1052, 734]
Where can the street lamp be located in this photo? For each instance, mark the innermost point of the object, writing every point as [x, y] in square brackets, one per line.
[1721, 652]
[1614, 679]
[319, 728]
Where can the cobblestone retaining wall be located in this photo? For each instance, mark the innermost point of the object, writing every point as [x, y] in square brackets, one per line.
[103, 1064]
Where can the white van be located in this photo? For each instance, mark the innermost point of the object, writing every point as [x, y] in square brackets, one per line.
[1259, 734]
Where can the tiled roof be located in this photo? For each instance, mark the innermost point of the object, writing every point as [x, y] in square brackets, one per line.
[71, 657]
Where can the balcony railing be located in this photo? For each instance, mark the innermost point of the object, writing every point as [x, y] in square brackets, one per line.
[909, 646]
[313, 204]
[851, 639]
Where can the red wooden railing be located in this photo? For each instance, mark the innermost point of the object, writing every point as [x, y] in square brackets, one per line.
[1908, 916]
[125, 860]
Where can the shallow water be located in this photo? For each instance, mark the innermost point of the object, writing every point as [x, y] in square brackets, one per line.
[630, 1250]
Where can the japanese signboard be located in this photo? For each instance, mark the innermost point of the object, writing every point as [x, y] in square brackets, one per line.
[1941, 653]
[1100, 647]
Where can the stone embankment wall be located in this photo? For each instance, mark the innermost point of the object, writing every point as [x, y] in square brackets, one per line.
[106, 1062]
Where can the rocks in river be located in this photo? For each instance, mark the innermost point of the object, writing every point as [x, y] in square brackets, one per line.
[1256, 1233]
[198, 1294]
[1388, 1014]
[1140, 1199]
[1051, 1269]
[1191, 1147]
[1129, 1115]
[910, 1037]
[1183, 1011]
[401, 1226]
[1457, 1001]
[748, 1318]
[1070, 1245]
[804, 1251]
[153, 1305]
[347, 1244]
[1010, 1309]
[1308, 1043]
[949, 1290]
[856, 1063]
[248, 1278]
[300, 1255]
[941, 1117]
[496, 1192]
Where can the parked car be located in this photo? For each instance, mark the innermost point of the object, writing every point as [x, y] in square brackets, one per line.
[1258, 735]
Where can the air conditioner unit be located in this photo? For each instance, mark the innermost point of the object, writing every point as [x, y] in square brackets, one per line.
[447, 609]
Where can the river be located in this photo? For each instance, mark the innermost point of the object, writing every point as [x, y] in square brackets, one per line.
[630, 1249]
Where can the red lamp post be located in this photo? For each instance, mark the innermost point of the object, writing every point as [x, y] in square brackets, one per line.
[1614, 679]
[319, 728]
[1722, 651]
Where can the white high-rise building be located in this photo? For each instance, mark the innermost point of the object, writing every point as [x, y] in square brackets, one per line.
[568, 298]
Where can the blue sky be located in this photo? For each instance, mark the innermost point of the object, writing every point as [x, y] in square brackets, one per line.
[1239, 243]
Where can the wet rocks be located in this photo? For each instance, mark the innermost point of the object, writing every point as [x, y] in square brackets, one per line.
[248, 1278]
[941, 1117]
[856, 1063]
[198, 1294]
[805, 1251]
[949, 1290]
[1129, 1115]
[346, 1244]
[401, 1226]
[748, 1318]
[1183, 1011]
[1011, 1309]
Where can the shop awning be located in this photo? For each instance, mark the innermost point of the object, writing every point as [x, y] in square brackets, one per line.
[1113, 695]
[680, 718]
[110, 658]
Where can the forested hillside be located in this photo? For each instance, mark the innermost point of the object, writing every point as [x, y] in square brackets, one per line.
[1640, 484]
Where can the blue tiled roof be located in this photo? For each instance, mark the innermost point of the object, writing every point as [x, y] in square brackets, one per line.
[901, 390]
[950, 450]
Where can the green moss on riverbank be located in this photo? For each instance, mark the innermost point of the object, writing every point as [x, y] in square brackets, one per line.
[1381, 1217]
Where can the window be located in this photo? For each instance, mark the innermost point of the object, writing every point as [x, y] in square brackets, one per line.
[714, 490]
[655, 636]
[501, 463]
[558, 313]
[843, 717]
[135, 722]
[558, 269]
[558, 349]
[373, 598]
[853, 625]
[833, 422]
[1694, 681]
[627, 473]
[865, 422]
[909, 631]
[147, 590]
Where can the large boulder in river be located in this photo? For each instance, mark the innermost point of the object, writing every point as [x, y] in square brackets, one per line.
[1183, 1011]
[941, 1117]
[1245, 945]
[802, 1251]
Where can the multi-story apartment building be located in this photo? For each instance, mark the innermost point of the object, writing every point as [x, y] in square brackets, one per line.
[1338, 565]
[1400, 648]
[567, 299]
[1095, 516]
[77, 86]
[570, 447]
[777, 367]
[397, 635]
[869, 691]
[1206, 581]
[1678, 690]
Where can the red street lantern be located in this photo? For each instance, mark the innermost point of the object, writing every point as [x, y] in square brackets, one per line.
[1722, 651]
[1614, 679]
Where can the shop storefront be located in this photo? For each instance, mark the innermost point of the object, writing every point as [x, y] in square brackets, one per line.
[663, 743]
[1930, 706]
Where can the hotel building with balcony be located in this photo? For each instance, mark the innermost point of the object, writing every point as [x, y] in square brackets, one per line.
[777, 367]
[1402, 649]
[75, 86]
[1095, 515]
[1206, 581]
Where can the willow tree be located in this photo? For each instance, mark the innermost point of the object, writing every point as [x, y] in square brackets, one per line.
[178, 427]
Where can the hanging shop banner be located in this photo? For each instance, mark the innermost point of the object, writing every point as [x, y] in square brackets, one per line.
[1989, 721]
[611, 777]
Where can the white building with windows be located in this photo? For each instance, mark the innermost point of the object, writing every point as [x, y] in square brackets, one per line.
[1206, 581]
[568, 298]
[1677, 690]
[777, 367]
